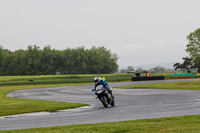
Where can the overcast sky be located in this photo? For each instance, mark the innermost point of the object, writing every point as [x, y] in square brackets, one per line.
[138, 31]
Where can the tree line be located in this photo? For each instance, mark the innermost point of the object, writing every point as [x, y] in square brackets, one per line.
[48, 61]
[156, 69]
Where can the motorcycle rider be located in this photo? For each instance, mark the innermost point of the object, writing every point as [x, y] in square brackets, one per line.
[98, 82]
[102, 78]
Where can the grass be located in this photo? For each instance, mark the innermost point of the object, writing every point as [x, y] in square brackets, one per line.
[11, 106]
[184, 124]
[59, 79]
[181, 77]
[187, 85]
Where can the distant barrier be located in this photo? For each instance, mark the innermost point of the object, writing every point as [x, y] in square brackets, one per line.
[185, 74]
[148, 78]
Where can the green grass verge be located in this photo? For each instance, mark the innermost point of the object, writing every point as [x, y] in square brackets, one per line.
[184, 124]
[186, 85]
[11, 106]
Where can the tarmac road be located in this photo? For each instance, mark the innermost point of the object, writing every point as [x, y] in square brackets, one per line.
[131, 104]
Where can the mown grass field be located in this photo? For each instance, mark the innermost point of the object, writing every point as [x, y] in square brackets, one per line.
[187, 85]
[169, 77]
[66, 79]
[184, 124]
[59, 79]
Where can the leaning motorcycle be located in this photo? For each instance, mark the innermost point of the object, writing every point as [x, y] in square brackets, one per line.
[104, 96]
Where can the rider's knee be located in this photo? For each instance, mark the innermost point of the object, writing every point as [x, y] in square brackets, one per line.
[108, 88]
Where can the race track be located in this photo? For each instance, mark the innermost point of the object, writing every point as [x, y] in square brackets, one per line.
[131, 104]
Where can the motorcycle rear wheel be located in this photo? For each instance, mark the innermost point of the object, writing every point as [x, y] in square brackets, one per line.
[113, 103]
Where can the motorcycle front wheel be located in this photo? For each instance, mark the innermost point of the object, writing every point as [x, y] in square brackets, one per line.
[104, 101]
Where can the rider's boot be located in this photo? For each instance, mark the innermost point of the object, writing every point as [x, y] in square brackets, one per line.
[111, 94]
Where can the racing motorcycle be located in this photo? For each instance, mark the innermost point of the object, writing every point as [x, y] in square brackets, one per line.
[104, 96]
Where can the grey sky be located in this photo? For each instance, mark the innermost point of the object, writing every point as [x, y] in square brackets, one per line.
[138, 31]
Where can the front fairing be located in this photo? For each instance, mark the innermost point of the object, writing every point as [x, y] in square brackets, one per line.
[100, 91]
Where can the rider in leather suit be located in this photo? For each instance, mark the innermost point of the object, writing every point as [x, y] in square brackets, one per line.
[98, 82]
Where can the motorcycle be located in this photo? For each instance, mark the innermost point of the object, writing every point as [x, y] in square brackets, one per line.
[104, 96]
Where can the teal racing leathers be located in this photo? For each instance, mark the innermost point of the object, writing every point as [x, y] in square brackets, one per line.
[105, 85]
[101, 82]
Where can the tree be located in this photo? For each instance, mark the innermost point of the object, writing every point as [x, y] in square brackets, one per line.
[1, 58]
[139, 69]
[33, 60]
[66, 62]
[6, 62]
[123, 71]
[186, 65]
[178, 66]
[18, 64]
[100, 60]
[158, 69]
[130, 68]
[50, 60]
[193, 47]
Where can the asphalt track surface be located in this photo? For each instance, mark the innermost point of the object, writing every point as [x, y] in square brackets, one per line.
[131, 104]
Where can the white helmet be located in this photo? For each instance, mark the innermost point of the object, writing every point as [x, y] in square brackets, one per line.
[96, 80]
